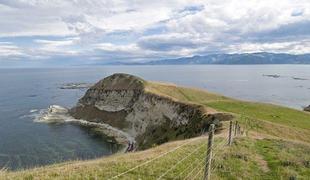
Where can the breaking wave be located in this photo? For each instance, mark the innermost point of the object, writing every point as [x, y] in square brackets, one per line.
[54, 114]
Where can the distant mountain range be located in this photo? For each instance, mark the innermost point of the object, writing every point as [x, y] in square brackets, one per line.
[246, 58]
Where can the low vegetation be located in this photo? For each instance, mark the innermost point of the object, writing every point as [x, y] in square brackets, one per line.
[275, 145]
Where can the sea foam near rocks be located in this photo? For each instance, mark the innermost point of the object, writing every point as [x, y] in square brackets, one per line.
[54, 114]
[59, 114]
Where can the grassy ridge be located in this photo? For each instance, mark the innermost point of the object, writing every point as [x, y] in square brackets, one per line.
[277, 146]
[267, 112]
[265, 118]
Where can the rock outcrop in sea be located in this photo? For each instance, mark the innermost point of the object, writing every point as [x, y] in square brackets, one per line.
[307, 108]
[123, 102]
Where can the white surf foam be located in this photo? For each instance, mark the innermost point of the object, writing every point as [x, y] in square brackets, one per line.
[33, 110]
[59, 114]
[54, 114]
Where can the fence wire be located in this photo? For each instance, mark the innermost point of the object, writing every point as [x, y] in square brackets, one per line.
[184, 163]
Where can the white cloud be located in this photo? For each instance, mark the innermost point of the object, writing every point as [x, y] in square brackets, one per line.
[144, 29]
[173, 41]
[9, 50]
[293, 47]
[115, 48]
[53, 47]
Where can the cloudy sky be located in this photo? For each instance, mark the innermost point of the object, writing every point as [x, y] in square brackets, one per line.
[58, 32]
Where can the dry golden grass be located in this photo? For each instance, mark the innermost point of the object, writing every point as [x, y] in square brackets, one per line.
[110, 166]
[184, 94]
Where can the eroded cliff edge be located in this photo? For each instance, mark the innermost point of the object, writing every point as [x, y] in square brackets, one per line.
[124, 102]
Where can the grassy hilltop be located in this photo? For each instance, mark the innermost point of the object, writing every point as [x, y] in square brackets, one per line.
[276, 146]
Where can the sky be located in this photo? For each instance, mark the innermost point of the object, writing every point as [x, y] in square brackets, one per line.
[75, 32]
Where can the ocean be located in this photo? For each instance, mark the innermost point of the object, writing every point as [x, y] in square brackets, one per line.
[25, 143]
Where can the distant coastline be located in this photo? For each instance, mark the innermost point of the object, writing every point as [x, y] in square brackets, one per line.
[228, 59]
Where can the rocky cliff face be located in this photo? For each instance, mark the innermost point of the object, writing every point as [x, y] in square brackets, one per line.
[121, 101]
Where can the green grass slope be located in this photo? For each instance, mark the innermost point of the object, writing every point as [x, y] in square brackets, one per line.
[269, 119]
[276, 146]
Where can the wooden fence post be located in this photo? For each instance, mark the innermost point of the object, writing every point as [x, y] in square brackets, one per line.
[230, 139]
[207, 174]
[236, 127]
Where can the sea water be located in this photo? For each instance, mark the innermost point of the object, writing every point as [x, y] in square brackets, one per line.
[24, 93]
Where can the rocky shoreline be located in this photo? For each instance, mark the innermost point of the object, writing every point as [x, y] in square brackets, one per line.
[75, 86]
[123, 108]
[58, 114]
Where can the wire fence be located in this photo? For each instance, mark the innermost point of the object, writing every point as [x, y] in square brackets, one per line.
[192, 159]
